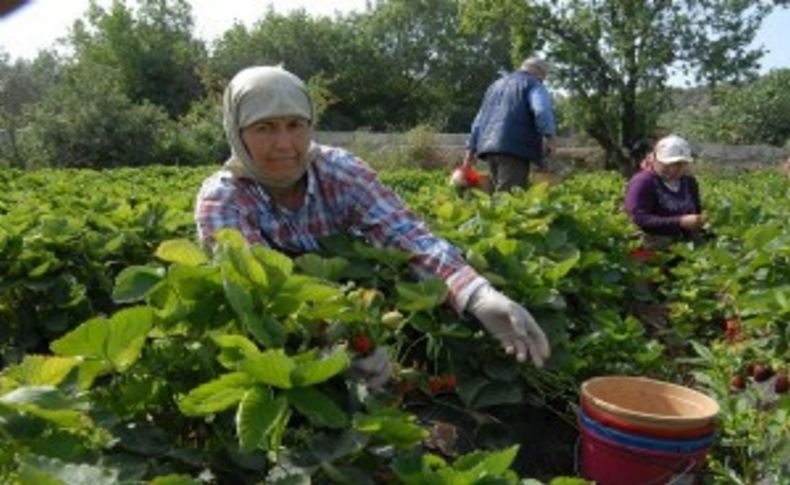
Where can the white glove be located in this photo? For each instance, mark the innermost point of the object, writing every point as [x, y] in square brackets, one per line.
[510, 323]
[374, 370]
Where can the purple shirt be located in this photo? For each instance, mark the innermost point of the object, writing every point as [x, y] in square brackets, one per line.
[656, 208]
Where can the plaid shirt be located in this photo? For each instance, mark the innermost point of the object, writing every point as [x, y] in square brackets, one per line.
[343, 196]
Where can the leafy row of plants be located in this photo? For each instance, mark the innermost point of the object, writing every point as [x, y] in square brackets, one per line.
[232, 367]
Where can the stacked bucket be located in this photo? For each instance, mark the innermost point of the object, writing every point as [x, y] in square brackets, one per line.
[636, 430]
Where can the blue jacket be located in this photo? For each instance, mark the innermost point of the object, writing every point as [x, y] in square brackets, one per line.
[515, 115]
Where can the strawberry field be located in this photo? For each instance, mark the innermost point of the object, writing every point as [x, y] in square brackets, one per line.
[130, 355]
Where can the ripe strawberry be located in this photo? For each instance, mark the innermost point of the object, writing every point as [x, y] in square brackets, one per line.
[435, 385]
[472, 177]
[737, 382]
[732, 331]
[450, 381]
[404, 386]
[641, 254]
[780, 384]
[762, 372]
[362, 344]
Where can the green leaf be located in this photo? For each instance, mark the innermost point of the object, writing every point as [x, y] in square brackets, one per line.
[277, 265]
[425, 295]
[86, 340]
[324, 268]
[181, 251]
[174, 479]
[229, 239]
[234, 349]
[90, 369]
[272, 367]
[128, 331]
[46, 402]
[267, 330]
[134, 282]
[316, 371]
[39, 370]
[562, 268]
[217, 395]
[487, 463]
[257, 416]
[317, 407]
[250, 269]
[391, 426]
[46, 397]
[40, 470]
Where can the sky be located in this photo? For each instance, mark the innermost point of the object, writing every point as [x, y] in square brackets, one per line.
[37, 25]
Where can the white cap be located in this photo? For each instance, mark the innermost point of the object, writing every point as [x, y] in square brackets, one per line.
[672, 149]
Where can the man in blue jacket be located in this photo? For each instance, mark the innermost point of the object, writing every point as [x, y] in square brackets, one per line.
[514, 126]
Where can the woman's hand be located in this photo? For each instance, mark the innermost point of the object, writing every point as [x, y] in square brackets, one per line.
[692, 222]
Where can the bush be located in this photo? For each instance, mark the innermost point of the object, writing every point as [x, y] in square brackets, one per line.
[751, 114]
[197, 137]
[88, 122]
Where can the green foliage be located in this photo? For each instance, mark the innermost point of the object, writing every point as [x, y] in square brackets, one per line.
[151, 49]
[754, 113]
[21, 85]
[197, 137]
[614, 58]
[235, 362]
[88, 122]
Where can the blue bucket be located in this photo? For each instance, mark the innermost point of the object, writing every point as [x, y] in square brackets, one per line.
[645, 442]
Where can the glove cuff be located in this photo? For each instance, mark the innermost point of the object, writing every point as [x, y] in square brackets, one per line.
[462, 285]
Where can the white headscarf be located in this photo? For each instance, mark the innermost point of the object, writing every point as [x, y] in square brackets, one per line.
[256, 93]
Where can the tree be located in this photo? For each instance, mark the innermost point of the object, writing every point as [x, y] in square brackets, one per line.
[152, 48]
[434, 72]
[614, 56]
[758, 112]
[87, 121]
[22, 84]
[396, 65]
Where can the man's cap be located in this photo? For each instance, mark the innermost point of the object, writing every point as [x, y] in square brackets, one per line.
[536, 66]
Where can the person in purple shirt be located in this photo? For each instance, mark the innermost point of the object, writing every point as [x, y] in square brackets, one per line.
[663, 198]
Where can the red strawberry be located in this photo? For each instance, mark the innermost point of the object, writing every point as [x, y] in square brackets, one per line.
[435, 385]
[732, 331]
[737, 382]
[472, 177]
[780, 384]
[762, 372]
[362, 344]
[450, 382]
[641, 254]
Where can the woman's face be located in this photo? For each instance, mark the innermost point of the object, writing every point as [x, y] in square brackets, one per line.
[672, 171]
[278, 146]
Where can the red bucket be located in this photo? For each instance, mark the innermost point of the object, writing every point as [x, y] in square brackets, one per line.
[610, 463]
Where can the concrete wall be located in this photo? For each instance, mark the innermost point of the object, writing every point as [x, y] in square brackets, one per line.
[451, 145]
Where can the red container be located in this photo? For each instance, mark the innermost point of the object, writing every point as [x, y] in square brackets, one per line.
[610, 463]
[616, 422]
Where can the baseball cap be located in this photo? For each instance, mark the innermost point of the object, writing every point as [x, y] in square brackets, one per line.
[672, 149]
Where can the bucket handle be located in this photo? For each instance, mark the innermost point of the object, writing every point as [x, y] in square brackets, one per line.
[680, 474]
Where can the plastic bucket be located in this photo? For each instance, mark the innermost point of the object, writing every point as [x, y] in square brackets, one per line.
[646, 442]
[661, 432]
[618, 423]
[610, 463]
[650, 403]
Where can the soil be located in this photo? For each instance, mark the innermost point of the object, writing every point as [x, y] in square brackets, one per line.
[547, 441]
